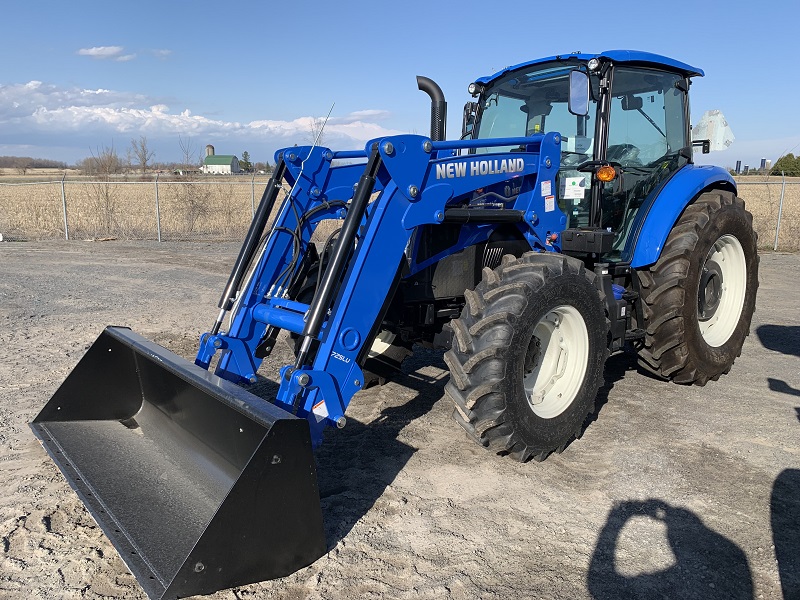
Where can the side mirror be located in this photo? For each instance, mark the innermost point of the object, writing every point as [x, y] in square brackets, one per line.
[632, 103]
[578, 93]
[470, 117]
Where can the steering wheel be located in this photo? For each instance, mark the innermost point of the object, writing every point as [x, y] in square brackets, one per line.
[570, 159]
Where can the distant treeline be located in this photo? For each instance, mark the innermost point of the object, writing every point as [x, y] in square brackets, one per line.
[15, 162]
[788, 164]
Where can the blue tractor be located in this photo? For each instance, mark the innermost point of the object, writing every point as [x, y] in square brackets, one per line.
[567, 222]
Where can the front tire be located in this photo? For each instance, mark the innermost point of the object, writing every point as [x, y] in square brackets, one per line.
[699, 297]
[528, 355]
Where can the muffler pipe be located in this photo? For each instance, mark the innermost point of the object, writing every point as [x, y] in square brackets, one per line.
[438, 107]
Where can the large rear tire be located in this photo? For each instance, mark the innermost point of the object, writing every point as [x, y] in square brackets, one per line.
[528, 355]
[699, 297]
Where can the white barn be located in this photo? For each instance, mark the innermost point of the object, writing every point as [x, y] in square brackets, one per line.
[220, 164]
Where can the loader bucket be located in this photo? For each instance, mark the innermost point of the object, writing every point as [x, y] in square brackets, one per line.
[199, 484]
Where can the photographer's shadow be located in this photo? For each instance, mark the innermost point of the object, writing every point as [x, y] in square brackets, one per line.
[785, 517]
[707, 565]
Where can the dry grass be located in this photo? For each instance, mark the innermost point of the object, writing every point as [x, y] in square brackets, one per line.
[221, 209]
[762, 199]
[10, 174]
[196, 210]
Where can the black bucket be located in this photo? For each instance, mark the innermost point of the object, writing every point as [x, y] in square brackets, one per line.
[199, 485]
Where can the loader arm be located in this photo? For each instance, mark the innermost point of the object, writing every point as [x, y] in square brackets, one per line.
[418, 182]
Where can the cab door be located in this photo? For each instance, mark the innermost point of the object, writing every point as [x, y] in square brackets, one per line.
[648, 141]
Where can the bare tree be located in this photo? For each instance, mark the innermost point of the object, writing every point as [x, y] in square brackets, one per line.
[188, 152]
[86, 165]
[192, 196]
[142, 153]
[316, 128]
[22, 164]
[104, 164]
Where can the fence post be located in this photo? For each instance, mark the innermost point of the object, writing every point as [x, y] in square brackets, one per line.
[64, 206]
[253, 195]
[780, 210]
[158, 212]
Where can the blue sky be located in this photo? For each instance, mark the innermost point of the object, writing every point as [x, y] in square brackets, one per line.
[81, 75]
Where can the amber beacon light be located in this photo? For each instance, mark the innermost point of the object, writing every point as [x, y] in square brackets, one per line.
[606, 173]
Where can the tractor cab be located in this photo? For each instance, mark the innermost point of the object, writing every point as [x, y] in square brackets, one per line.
[624, 121]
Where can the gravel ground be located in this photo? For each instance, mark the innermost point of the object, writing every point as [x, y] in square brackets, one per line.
[672, 492]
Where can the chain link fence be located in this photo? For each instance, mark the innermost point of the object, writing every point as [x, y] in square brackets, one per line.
[202, 210]
[163, 210]
[775, 206]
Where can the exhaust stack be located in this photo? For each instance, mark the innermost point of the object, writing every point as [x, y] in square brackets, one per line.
[438, 107]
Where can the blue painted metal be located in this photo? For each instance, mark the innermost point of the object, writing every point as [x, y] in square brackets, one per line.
[618, 56]
[349, 154]
[417, 181]
[269, 314]
[662, 208]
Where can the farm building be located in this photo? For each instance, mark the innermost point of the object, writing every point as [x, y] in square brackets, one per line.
[220, 164]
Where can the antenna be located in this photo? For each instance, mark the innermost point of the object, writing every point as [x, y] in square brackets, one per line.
[321, 129]
[285, 291]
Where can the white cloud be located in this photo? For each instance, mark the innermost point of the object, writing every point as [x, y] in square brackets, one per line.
[20, 101]
[351, 127]
[101, 51]
[125, 58]
[161, 53]
[36, 109]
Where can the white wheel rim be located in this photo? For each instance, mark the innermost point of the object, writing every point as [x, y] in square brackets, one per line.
[727, 257]
[557, 369]
[383, 341]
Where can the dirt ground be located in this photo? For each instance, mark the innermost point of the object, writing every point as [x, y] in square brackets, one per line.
[673, 491]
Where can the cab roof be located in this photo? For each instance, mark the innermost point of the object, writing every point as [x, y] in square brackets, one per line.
[618, 56]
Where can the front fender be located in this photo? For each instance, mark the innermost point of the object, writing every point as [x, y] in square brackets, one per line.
[660, 212]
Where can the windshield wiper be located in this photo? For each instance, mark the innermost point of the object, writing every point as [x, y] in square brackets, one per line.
[653, 123]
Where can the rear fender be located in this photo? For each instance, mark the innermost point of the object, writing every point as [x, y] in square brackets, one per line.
[660, 212]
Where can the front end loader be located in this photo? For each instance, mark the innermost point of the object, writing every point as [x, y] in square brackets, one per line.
[529, 250]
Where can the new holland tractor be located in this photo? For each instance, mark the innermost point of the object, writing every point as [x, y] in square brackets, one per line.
[567, 222]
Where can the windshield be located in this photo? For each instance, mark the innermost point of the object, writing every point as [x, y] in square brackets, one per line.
[535, 101]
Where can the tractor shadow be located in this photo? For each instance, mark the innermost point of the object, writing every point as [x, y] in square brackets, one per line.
[706, 564]
[786, 340]
[356, 464]
[780, 338]
[617, 367]
[779, 385]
